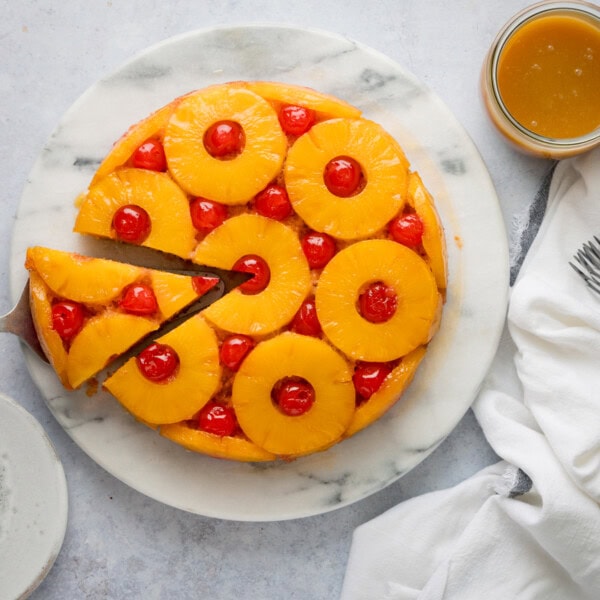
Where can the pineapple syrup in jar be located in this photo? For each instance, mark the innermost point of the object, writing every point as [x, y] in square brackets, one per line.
[541, 79]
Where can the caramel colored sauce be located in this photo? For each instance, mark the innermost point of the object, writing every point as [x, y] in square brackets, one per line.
[549, 76]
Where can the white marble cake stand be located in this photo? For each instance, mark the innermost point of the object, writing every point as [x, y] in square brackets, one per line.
[458, 358]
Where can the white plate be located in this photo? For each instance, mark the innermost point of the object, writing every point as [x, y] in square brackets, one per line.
[477, 252]
[33, 502]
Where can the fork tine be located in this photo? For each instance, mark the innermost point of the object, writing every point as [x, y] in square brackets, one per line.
[594, 276]
[593, 254]
[583, 260]
[588, 267]
[583, 275]
[594, 286]
[592, 283]
[594, 245]
[589, 258]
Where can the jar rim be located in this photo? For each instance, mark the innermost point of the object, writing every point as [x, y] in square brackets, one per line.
[531, 13]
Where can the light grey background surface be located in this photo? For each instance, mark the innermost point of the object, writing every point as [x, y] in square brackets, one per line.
[120, 544]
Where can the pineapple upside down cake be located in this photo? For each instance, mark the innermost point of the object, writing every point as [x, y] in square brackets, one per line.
[319, 205]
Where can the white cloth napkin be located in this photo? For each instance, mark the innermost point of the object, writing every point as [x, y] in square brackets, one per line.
[540, 410]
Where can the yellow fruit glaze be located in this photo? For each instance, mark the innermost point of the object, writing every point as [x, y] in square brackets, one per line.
[290, 283]
[384, 166]
[233, 181]
[196, 380]
[549, 75]
[168, 208]
[288, 355]
[397, 266]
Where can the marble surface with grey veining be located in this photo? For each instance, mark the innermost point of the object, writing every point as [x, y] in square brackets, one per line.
[120, 542]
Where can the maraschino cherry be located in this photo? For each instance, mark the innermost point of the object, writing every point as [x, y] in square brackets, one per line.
[407, 230]
[273, 202]
[131, 224]
[342, 176]
[368, 377]
[318, 248]
[207, 214]
[378, 302]
[150, 155]
[296, 120]
[224, 139]
[67, 319]
[251, 263]
[204, 283]
[158, 362]
[306, 321]
[139, 299]
[294, 396]
[234, 350]
[218, 419]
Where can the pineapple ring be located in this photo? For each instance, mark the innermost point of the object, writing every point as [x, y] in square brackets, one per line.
[343, 279]
[383, 163]
[234, 181]
[197, 379]
[227, 446]
[102, 337]
[324, 105]
[151, 126]
[433, 235]
[287, 355]
[388, 394]
[98, 281]
[290, 282]
[168, 207]
[41, 312]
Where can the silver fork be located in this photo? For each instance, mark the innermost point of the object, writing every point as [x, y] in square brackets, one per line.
[19, 322]
[588, 263]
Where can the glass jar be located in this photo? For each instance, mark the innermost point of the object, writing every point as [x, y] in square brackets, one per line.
[527, 76]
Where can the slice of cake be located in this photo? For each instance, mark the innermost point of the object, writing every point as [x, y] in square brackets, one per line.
[87, 311]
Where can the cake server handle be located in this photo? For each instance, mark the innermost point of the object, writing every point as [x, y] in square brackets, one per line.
[18, 321]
